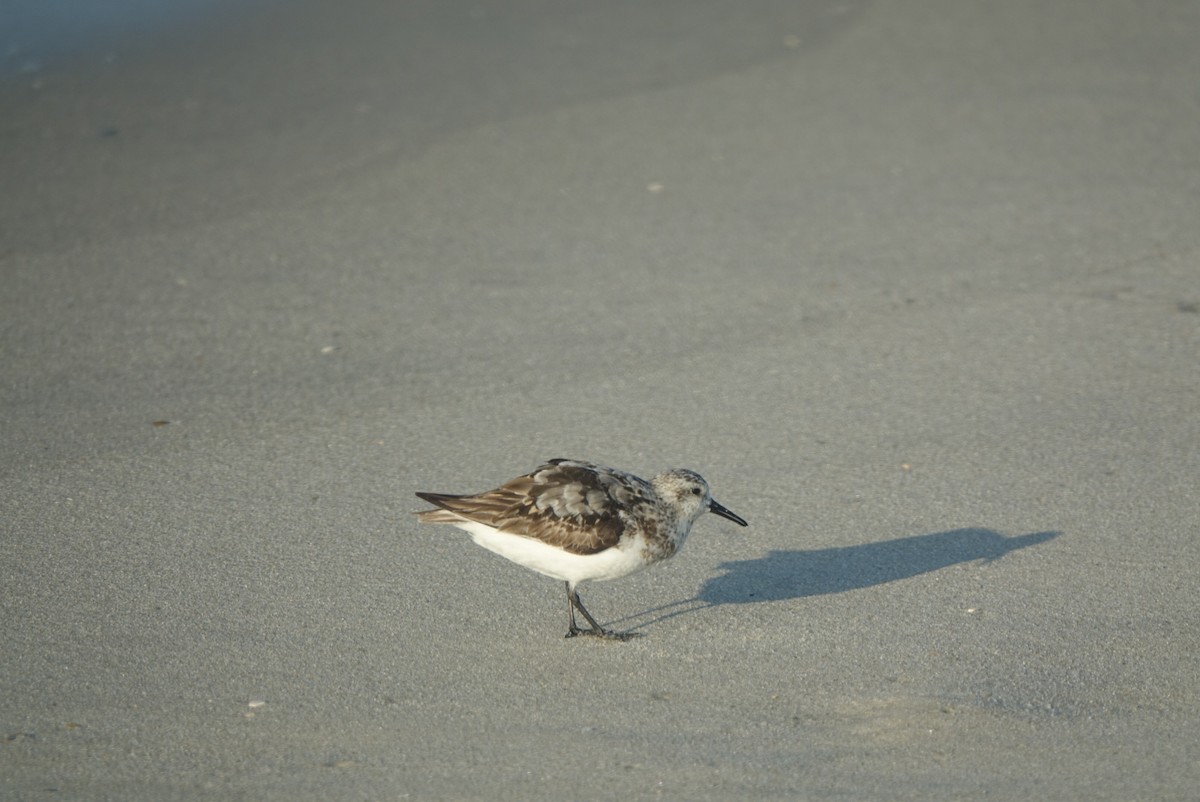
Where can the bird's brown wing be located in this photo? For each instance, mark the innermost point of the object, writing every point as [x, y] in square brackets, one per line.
[576, 506]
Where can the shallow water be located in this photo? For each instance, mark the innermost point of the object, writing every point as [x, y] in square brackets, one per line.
[35, 34]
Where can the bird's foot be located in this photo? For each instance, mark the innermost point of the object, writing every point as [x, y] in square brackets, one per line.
[603, 634]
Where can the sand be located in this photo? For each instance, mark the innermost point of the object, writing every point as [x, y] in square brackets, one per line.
[915, 286]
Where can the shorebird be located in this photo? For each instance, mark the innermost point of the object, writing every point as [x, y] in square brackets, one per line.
[576, 521]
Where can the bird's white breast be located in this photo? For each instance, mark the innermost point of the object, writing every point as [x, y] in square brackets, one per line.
[612, 563]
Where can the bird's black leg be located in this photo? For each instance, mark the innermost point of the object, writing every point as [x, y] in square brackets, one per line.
[572, 630]
[573, 604]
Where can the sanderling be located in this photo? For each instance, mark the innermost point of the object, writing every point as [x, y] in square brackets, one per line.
[576, 521]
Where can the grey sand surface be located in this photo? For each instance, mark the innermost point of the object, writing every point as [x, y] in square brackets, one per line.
[914, 286]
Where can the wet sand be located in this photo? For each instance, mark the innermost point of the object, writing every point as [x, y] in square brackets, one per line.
[914, 287]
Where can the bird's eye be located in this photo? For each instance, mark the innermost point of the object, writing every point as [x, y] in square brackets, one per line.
[695, 491]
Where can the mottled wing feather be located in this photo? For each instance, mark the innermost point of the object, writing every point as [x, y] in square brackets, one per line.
[576, 506]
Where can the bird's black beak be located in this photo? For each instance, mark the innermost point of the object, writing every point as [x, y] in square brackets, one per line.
[717, 509]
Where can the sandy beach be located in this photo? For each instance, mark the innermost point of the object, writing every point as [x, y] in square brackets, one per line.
[916, 287]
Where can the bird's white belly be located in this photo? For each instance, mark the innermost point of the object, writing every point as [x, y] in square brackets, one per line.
[554, 562]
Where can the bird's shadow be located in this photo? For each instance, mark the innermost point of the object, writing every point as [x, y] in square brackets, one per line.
[796, 574]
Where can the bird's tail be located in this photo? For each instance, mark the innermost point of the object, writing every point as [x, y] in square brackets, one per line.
[438, 516]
